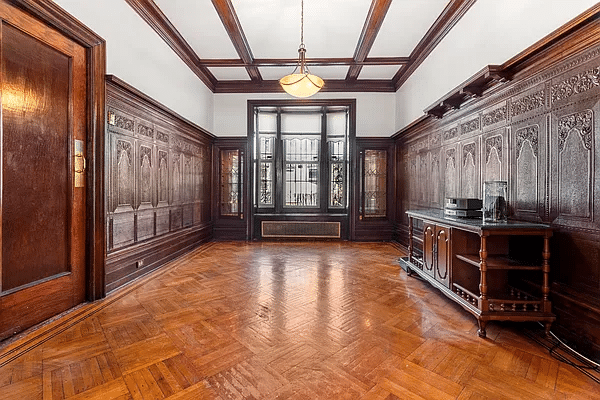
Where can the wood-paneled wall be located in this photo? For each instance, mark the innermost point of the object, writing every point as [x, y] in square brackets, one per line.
[540, 131]
[158, 186]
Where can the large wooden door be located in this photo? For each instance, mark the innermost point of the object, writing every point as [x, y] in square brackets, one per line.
[43, 84]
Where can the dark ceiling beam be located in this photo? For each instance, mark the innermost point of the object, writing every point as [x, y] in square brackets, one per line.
[334, 85]
[286, 62]
[440, 28]
[377, 12]
[236, 34]
[154, 17]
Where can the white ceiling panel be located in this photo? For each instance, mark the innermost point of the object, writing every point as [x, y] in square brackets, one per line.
[331, 28]
[378, 71]
[230, 73]
[405, 24]
[200, 25]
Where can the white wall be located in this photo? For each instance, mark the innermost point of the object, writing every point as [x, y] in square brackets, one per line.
[374, 112]
[137, 55]
[491, 32]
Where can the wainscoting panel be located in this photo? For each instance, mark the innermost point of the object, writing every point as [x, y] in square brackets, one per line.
[536, 126]
[158, 186]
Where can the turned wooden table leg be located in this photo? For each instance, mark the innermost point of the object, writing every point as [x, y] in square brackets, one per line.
[410, 245]
[483, 287]
[547, 328]
[481, 331]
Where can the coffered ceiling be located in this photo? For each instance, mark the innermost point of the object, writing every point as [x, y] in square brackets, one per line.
[245, 46]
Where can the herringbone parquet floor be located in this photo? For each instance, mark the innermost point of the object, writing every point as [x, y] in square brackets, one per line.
[285, 321]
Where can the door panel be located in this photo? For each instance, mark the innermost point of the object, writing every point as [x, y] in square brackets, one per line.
[442, 237]
[428, 248]
[35, 149]
[43, 83]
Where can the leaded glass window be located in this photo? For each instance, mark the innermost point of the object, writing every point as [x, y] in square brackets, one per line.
[301, 158]
[231, 183]
[375, 178]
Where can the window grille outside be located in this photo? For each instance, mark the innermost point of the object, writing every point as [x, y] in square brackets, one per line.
[301, 182]
[375, 177]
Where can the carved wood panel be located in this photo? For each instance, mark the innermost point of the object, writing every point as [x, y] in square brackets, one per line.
[470, 178]
[529, 169]
[541, 132]
[434, 179]
[494, 156]
[452, 166]
[157, 181]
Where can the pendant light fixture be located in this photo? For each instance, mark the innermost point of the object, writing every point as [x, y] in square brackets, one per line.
[301, 83]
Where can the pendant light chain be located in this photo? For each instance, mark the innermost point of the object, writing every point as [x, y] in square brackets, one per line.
[302, 23]
[301, 83]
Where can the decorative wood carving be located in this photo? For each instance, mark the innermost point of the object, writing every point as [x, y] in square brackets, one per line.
[493, 143]
[547, 148]
[529, 134]
[120, 121]
[451, 133]
[527, 103]
[469, 173]
[526, 179]
[575, 164]
[145, 131]
[469, 126]
[581, 122]
[495, 116]
[450, 173]
[576, 84]
[436, 139]
[494, 160]
[153, 182]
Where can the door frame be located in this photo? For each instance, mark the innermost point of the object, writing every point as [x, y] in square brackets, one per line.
[50, 13]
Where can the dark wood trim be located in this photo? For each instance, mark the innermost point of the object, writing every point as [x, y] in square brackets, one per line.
[440, 28]
[271, 86]
[49, 12]
[96, 230]
[154, 17]
[236, 34]
[231, 227]
[55, 16]
[290, 62]
[473, 87]
[375, 18]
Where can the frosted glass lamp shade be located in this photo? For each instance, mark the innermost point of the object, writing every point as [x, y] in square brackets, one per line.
[301, 85]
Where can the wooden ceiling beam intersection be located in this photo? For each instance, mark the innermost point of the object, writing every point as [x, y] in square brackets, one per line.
[377, 13]
[236, 34]
[440, 28]
[158, 21]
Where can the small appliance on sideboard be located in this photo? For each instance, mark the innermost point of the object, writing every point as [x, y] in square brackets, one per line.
[463, 207]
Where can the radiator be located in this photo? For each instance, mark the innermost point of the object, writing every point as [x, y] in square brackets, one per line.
[300, 229]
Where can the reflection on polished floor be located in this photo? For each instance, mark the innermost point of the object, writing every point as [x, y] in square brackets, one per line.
[331, 320]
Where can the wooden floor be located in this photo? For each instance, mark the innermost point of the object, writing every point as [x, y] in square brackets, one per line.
[286, 321]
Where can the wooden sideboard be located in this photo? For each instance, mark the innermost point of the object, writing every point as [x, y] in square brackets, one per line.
[496, 271]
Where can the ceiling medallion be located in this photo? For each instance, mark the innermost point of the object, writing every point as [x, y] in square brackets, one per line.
[301, 83]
